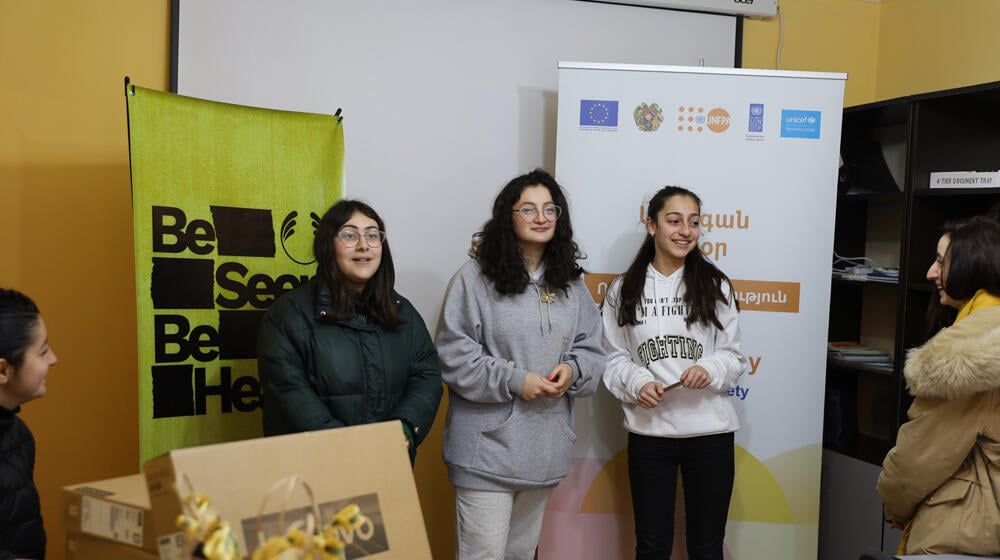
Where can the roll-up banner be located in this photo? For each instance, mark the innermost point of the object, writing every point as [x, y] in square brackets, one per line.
[225, 203]
[761, 148]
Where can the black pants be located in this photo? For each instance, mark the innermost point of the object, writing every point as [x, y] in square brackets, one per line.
[706, 465]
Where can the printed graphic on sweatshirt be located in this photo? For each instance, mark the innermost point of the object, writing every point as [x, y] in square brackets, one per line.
[669, 346]
[666, 345]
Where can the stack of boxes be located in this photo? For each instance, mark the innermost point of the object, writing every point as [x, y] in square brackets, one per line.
[109, 519]
[363, 469]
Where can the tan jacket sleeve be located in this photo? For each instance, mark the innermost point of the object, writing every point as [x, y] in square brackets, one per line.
[929, 449]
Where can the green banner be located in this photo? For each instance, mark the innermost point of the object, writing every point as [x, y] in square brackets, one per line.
[225, 203]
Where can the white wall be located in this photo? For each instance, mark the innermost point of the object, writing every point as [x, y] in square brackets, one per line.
[444, 100]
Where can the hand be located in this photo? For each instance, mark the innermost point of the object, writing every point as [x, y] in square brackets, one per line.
[407, 441]
[894, 525]
[536, 386]
[651, 394]
[561, 378]
[695, 377]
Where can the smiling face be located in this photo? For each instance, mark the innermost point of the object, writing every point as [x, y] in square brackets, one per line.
[938, 272]
[27, 381]
[675, 230]
[534, 233]
[358, 264]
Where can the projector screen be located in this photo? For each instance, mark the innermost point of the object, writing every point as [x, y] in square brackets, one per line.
[443, 101]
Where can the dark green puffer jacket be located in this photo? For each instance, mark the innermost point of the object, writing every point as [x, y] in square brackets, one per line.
[318, 373]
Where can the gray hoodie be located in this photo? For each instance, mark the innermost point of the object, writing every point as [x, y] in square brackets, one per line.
[487, 344]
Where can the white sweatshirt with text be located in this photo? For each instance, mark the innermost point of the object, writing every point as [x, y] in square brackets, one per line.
[660, 348]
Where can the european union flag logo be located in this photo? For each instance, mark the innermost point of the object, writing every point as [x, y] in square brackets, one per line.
[598, 113]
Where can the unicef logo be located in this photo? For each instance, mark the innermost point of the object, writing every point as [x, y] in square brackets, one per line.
[299, 248]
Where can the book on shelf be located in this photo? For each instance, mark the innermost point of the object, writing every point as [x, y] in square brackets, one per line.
[884, 275]
[855, 353]
[862, 359]
[852, 348]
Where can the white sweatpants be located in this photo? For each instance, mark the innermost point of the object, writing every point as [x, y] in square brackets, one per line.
[499, 525]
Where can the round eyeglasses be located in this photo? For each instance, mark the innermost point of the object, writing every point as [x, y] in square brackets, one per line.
[350, 238]
[551, 212]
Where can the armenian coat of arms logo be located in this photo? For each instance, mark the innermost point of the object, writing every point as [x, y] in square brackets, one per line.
[648, 117]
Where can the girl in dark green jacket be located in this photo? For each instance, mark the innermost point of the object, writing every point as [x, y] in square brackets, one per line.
[345, 349]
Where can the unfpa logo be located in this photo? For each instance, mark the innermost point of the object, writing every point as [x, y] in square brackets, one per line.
[694, 119]
[718, 120]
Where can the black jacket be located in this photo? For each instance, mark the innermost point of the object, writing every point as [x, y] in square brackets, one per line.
[21, 532]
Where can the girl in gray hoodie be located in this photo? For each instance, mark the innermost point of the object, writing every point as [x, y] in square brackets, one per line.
[521, 337]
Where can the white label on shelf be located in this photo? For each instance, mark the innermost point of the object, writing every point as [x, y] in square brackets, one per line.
[112, 521]
[965, 179]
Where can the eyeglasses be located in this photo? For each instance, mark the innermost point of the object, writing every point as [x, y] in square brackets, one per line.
[528, 212]
[351, 238]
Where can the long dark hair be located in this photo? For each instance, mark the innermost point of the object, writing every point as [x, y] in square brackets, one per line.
[18, 318]
[498, 254]
[377, 298]
[973, 259]
[702, 280]
[971, 263]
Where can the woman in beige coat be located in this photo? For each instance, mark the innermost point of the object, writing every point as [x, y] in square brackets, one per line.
[942, 479]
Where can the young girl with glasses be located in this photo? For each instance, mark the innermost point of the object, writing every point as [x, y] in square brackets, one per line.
[345, 348]
[672, 331]
[520, 339]
[25, 359]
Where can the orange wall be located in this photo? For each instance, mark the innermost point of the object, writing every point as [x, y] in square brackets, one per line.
[65, 216]
[889, 48]
[929, 45]
[823, 36]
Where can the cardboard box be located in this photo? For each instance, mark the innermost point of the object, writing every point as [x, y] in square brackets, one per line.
[364, 465]
[116, 509]
[87, 547]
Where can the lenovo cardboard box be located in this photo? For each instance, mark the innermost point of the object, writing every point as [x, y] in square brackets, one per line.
[116, 509]
[363, 465]
[87, 547]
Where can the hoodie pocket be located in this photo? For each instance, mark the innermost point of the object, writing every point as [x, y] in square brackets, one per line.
[527, 447]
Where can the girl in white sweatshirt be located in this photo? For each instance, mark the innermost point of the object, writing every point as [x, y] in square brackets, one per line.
[672, 332]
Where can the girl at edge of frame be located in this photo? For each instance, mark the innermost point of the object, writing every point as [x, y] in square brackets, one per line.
[519, 340]
[345, 348]
[940, 482]
[25, 359]
[672, 333]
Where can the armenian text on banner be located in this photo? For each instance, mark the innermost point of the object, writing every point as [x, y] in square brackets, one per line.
[225, 203]
[761, 149]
